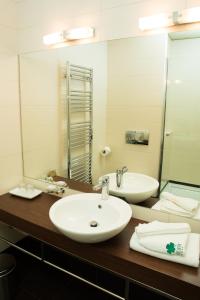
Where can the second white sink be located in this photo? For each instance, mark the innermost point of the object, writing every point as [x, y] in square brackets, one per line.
[135, 187]
[87, 218]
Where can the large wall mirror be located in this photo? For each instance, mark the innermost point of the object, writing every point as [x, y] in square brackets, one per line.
[124, 84]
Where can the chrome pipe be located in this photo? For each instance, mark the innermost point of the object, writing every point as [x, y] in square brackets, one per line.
[19, 248]
[80, 92]
[81, 177]
[80, 164]
[81, 156]
[80, 67]
[77, 163]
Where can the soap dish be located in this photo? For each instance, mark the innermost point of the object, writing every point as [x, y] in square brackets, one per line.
[25, 193]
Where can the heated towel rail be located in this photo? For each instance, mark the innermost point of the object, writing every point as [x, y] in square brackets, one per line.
[79, 84]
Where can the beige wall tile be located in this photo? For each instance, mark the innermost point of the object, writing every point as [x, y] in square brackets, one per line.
[11, 172]
[9, 132]
[10, 149]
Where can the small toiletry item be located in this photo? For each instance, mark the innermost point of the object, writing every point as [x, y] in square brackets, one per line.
[48, 179]
[55, 189]
[51, 188]
[51, 173]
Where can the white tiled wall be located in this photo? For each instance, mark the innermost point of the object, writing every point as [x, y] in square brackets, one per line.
[10, 144]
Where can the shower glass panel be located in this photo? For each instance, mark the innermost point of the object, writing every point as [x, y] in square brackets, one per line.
[181, 154]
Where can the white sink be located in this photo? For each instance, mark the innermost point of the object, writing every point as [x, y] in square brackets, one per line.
[75, 216]
[135, 187]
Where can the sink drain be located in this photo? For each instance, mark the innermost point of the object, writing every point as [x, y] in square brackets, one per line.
[93, 224]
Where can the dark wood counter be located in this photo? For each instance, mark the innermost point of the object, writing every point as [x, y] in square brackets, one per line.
[31, 216]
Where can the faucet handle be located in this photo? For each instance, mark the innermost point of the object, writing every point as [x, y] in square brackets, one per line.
[97, 187]
[124, 169]
[100, 183]
[105, 180]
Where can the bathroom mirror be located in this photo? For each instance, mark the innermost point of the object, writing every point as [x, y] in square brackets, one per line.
[128, 95]
[128, 89]
[181, 151]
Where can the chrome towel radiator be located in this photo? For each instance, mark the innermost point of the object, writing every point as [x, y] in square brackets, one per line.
[79, 84]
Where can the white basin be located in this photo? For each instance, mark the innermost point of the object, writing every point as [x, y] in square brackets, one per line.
[135, 187]
[73, 216]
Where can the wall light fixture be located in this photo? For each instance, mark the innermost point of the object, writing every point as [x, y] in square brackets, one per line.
[186, 16]
[68, 35]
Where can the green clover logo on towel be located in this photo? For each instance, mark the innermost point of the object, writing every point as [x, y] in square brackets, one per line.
[170, 248]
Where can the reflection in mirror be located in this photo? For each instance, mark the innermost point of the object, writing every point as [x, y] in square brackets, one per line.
[126, 98]
[128, 91]
[181, 153]
[44, 105]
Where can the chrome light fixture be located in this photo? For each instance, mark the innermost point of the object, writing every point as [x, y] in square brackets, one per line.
[186, 16]
[68, 35]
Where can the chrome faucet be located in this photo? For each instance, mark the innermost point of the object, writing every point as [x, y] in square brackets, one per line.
[104, 186]
[119, 176]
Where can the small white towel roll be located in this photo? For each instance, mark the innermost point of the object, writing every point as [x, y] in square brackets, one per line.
[157, 228]
[191, 257]
[174, 244]
[188, 204]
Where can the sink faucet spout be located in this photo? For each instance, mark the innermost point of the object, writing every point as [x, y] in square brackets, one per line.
[104, 186]
[119, 176]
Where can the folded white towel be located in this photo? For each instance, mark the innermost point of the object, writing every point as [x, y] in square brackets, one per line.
[175, 244]
[191, 257]
[168, 206]
[188, 204]
[158, 228]
[163, 206]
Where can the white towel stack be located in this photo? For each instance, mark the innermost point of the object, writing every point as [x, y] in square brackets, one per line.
[169, 241]
[182, 206]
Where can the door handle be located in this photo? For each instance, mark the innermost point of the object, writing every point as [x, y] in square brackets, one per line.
[168, 133]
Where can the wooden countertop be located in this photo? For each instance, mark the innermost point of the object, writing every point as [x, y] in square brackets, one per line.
[31, 216]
